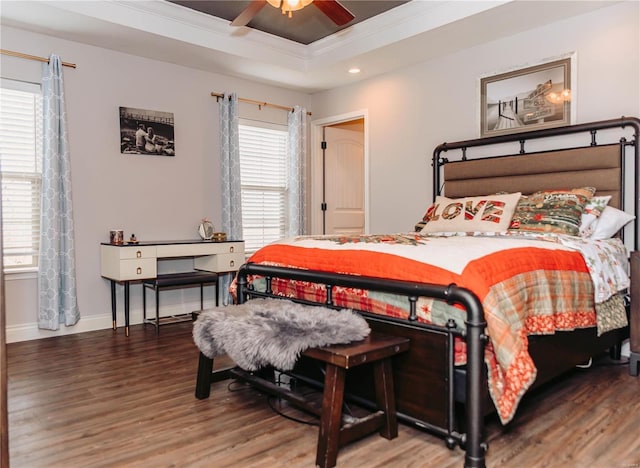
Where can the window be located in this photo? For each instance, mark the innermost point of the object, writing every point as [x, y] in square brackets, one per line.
[21, 171]
[263, 174]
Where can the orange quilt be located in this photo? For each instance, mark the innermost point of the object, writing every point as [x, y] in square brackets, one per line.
[525, 286]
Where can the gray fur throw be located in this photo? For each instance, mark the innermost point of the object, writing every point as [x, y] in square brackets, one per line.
[263, 332]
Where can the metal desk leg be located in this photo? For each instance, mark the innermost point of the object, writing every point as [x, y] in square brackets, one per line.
[126, 308]
[157, 310]
[113, 304]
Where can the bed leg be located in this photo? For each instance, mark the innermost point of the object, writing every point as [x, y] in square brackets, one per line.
[475, 445]
[634, 315]
[203, 382]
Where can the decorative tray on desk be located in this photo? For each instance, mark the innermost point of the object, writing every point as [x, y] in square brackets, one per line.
[219, 236]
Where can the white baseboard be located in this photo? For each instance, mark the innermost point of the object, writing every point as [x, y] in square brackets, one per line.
[30, 331]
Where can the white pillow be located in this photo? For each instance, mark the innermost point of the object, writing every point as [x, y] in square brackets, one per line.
[610, 222]
[591, 213]
[488, 213]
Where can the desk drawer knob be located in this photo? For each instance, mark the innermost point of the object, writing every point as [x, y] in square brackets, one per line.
[138, 254]
[232, 263]
[139, 271]
[231, 249]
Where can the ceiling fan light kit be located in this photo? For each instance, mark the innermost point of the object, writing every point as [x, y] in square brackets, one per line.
[332, 8]
[287, 6]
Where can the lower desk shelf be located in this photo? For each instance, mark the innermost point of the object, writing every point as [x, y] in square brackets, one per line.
[174, 281]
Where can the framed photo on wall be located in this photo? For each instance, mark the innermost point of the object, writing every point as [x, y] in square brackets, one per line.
[146, 132]
[530, 98]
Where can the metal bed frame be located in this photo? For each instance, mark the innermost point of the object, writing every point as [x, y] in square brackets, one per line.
[472, 440]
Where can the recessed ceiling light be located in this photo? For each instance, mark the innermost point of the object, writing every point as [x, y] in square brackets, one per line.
[354, 70]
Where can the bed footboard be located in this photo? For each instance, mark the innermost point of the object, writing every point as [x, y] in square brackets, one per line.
[473, 440]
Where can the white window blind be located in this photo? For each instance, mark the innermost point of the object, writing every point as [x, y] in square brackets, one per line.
[21, 171]
[263, 174]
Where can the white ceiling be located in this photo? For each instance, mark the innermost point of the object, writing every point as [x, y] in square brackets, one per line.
[414, 32]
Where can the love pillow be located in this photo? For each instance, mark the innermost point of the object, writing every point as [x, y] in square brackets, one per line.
[487, 213]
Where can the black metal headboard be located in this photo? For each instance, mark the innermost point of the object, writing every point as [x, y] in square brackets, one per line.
[558, 157]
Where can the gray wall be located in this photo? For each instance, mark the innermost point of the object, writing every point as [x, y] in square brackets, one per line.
[413, 110]
[153, 197]
[410, 112]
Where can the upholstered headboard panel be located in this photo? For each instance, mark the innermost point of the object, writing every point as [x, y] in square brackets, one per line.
[597, 166]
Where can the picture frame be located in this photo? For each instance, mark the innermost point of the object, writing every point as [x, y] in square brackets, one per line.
[531, 98]
[146, 132]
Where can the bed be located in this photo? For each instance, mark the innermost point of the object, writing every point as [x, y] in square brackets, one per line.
[465, 358]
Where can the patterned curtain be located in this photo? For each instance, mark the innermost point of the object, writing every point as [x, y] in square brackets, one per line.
[297, 158]
[56, 269]
[230, 170]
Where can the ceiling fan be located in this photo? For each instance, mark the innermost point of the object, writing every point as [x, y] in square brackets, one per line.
[332, 8]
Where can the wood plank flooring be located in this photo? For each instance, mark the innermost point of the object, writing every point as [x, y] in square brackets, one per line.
[99, 399]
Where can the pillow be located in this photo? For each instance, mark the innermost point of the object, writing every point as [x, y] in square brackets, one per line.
[591, 213]
[421, 224]
[555, 211]
[610, 222]
[487, 213]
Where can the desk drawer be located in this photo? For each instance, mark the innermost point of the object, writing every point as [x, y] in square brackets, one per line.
[122, 263]
[220, 262]
[194, 250]
[137, 252]
[136, 269]
[115, 253]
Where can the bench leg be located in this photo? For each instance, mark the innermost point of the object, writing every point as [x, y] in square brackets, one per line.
[634, 364]
[331, 419]
[203, 382]
[385, 398]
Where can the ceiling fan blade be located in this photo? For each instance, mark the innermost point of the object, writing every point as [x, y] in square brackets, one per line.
[248, 13]
[335, 11]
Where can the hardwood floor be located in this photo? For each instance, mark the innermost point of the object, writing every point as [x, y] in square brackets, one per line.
[100, 399]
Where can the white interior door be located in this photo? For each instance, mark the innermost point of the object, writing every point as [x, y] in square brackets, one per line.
[344, 180]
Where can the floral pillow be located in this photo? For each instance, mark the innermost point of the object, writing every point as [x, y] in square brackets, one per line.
[553, 211]
[591, 213]
[488, 213]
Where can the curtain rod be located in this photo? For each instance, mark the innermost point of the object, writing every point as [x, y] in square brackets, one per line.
[260, 104]
[32, 57]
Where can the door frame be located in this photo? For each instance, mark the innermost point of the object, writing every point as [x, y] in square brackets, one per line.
[315, 184]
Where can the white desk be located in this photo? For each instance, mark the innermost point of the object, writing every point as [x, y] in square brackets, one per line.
[123, 263]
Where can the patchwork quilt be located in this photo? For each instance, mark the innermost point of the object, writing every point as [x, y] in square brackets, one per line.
[527, 283]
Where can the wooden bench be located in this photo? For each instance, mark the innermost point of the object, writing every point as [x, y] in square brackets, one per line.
[377, 349]
[175, 280]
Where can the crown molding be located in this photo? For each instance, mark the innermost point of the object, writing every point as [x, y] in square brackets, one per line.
[410, 33]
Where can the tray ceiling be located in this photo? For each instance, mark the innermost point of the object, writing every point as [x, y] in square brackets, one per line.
[405, 33]
[305, 26]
